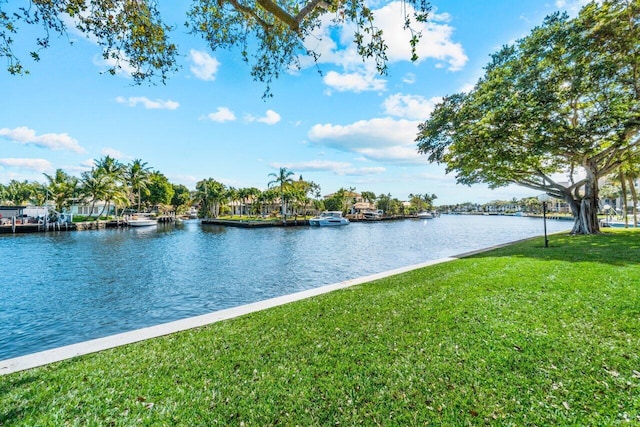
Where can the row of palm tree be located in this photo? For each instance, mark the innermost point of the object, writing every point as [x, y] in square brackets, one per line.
[137, 186]
[133, 185]
[293, 196]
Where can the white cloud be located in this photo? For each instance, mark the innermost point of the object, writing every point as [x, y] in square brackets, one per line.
[52, 141]
[338, 168]
[410, 106]
[204, 65]
[436, 42]
[335, 45]
[270, 118]
[222, 114]
[355, 82]
[112, 152]
[380, 139]
[380, 132]
[38, 165]
[409, 78]
[158, 104]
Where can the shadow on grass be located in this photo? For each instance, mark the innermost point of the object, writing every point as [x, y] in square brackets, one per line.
[16, 412]
[614, 247]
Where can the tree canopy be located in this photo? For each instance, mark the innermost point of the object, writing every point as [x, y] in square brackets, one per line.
[269, 33]
[554, 112]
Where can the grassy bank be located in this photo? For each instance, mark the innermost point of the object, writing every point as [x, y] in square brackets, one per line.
[522, 335]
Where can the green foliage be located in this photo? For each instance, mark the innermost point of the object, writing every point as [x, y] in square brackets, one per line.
[133, 32]
[420, 202]
[521, 335]
[18, 192]
[62, 189]
[130, 32]
[181, 197]
[210, 195]
[160, 190]
[563, 98]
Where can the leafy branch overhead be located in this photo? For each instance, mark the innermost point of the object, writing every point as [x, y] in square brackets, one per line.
[270, 34]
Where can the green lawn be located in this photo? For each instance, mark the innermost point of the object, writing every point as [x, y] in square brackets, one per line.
[521, 335]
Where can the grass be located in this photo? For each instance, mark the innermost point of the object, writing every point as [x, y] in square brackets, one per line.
[522, 335]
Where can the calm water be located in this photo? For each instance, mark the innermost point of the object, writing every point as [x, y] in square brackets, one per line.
[63, 288]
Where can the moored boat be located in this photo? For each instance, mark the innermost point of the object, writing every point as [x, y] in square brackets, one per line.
[329, 218]
[372, 215]
[424, 215]
[141, 222]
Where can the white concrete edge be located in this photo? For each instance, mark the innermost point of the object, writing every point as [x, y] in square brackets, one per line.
[46, 357]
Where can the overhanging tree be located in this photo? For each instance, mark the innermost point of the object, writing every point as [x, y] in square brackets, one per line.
[269, 33]
[563, 101]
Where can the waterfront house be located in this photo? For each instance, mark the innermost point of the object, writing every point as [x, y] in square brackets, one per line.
[90, 209]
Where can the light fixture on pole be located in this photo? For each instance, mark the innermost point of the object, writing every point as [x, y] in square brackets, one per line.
[607, 213]
[544, 198]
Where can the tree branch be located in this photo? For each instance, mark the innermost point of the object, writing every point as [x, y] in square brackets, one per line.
[279, 13]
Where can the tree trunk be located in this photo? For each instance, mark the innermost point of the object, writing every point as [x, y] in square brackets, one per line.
[585, 211]
[103, 209]
[634, 199]
[625, 207]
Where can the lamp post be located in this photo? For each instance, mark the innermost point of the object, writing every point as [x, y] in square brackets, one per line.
[607, 212]
[544, 198]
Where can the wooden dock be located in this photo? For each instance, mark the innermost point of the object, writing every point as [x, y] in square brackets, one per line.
[35, 228]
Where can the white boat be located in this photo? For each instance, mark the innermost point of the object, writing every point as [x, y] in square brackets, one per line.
[141, 222]
[372, 215]
[329, 218]
[424, 215]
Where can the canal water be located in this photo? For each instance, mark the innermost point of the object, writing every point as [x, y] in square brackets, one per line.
[62, 288]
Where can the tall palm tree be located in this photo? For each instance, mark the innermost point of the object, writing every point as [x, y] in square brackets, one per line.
[282, 179]
[19, 192]
[39, 193]
[62, 188]
[233, 195]
[137, 175]
[3, 193]
[246, 194]
[210, 194]
[94, 186]
[110, 167]
[112, 174]
[266, 198]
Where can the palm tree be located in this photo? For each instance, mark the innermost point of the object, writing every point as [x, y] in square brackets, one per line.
[94, 186]
[210, 194]
[233, 195]
[267, 197]
[137, 176]
[19, 192]
[246, 194]
[111, 168]
[282, 179]
[38, 193]
[112, 174]
[62, 188]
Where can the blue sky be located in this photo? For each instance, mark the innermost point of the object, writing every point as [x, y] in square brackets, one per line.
[345, 128]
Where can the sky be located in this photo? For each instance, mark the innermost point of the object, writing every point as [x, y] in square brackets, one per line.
[344, 128]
